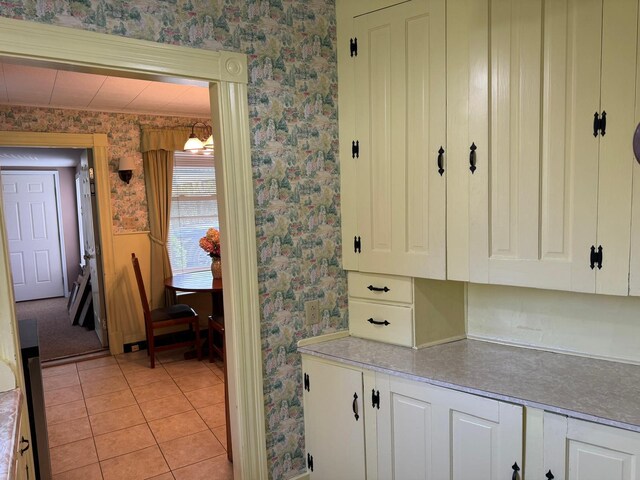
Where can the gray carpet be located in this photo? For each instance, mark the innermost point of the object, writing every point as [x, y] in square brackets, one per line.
[58, 338]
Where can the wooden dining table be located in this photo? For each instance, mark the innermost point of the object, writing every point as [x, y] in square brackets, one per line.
[203, 282]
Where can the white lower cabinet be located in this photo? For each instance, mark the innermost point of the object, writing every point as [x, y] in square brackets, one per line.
[363, 424]
[561, 448]
[409, 430]
[334, 420]
[427, 432]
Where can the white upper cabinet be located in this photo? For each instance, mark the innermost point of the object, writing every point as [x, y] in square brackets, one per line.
[634, 274]
[618, 98]
[549, 183]
[392, 129]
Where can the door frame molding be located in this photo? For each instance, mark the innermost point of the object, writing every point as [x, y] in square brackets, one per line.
[226, 75]
[58, 194]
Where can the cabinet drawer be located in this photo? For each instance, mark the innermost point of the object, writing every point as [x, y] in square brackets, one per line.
[399, 329]
[380, 287]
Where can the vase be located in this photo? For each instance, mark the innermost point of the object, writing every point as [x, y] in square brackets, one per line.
[216, 268]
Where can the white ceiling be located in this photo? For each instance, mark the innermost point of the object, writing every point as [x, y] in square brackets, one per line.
[44, 87]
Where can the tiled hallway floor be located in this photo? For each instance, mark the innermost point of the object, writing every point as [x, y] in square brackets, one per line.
[113, 418]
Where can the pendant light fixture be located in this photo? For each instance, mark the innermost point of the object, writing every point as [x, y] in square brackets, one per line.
[195, 144]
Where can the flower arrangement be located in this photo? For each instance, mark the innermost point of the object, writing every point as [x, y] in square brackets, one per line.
[210, 243]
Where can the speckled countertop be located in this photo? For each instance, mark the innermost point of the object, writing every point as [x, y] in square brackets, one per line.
[596, 390]
[9, 420]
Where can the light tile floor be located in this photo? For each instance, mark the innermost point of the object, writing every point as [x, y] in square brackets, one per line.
[113, 418]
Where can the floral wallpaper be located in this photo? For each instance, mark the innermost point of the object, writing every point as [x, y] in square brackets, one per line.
[293, 115]
[128, 202]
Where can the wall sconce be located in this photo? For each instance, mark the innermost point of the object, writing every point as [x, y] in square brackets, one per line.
[194, 144]
[125, 169]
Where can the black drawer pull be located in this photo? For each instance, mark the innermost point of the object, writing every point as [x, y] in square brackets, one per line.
[515, 469]
[472, 157]
[441, 161]
[22, 450]
[549, 475]
[378, 289]
[355, 406]
[375, 322]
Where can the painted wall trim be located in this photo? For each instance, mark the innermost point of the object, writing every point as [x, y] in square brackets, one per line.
[226, 72]
[99, 52]
[98, 144]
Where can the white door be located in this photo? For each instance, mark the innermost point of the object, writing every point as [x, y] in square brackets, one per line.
[400, 118]
[31, 221]
[91, 246]
[334, 421]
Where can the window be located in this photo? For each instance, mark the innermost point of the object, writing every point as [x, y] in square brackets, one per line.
[194, 209]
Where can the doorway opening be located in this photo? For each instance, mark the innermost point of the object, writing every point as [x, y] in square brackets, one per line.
[52, 245]
[226, 76]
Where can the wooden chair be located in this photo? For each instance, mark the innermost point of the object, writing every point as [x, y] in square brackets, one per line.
[179, 314]
[216, 325]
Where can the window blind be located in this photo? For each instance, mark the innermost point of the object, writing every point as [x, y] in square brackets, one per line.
[194, 209]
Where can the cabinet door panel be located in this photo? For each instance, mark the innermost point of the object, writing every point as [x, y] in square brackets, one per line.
[428, 432]
[405, 430]
[467, 124]
[400, 125]
[333, 436]
[589, 462]
[473, 441]
[619, 38]
[412, 438]
[555, 445]
[597, 452]
[544, 159]
[634, 274]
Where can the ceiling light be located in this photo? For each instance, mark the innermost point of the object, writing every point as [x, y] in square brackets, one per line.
[195, 144]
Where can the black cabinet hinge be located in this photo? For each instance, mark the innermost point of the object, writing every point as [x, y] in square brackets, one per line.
[355, 149]
[306, 382]
[600, 124]
[595, 258]
[310, 461]
[375, 399]
[353, 46]
[357, 245]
